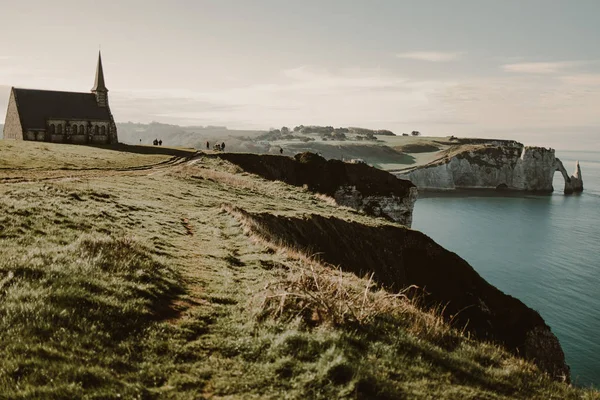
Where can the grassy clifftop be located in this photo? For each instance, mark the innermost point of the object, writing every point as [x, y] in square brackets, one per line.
[138, 280]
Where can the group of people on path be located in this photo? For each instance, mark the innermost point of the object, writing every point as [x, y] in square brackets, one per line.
[216, 147]
[221, 147]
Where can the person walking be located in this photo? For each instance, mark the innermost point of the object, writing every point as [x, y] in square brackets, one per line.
[223, 146]
[207, 145]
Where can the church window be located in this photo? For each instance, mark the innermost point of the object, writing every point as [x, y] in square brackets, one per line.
[96, 130]
[103, 130]
[52, 128]
[81, 130]
[59, 128]
[74, 130]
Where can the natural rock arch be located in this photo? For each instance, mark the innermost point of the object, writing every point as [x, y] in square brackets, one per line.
[487, 166]
[573, 183]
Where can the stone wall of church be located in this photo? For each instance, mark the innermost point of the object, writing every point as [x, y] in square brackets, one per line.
[100, 139]
[99, 136]
[40, 136]
[12, 123]
[79, 139]
[59, 130]
[78, 131]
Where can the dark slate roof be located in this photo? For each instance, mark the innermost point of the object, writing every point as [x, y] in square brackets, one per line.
[36, 106]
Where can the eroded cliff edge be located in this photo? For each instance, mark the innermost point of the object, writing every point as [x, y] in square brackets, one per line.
[358, 186]
[398, 258]
[507, 165]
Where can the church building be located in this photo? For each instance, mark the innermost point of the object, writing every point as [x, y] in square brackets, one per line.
[62, 117]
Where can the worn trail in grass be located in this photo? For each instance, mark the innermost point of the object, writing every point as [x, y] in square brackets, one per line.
[141, 284]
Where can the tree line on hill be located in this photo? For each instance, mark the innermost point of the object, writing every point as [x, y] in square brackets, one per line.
[304, 133]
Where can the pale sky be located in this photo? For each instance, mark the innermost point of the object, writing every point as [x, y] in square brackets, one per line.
[522, 69]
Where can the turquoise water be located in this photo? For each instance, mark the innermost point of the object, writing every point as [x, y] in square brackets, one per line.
[543, 250]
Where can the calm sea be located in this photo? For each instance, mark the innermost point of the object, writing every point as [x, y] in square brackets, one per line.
[543, 250]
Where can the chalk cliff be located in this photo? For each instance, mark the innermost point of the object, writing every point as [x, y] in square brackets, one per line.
[486, 166]
[358, 186]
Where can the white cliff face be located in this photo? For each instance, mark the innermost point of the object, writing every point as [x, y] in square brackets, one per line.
[398, 209]
[535, 170]
[489, 167]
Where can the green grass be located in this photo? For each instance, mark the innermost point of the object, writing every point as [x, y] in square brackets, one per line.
[422, 147]
[373, 154]
[140, 284]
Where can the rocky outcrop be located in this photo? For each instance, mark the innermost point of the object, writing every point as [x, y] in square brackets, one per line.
[355, 185]
[576, 179]
[573, 183]
[398, 258]
[390, 206]
[510, 167]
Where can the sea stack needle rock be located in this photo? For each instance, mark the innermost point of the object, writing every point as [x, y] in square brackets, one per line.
[574, 183]
[358, 186]
[508, 166]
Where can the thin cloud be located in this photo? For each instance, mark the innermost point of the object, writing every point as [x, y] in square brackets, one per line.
[521, 101]
[307, 78]
[582, 79]
[343, 97]
[431, 56]
[541, 68]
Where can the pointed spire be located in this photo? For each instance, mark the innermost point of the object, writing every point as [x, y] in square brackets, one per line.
[99, 85]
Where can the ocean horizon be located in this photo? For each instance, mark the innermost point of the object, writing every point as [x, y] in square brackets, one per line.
[541, 249]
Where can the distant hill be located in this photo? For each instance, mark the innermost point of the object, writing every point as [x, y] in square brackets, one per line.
[309, 133]
[175, 135]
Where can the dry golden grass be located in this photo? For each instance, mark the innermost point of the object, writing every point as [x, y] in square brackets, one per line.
[18, 155]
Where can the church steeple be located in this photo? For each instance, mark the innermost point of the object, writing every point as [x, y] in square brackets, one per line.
[99, 88]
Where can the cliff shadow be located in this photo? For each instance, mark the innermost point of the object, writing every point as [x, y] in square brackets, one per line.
[320, 175]
[398, 258]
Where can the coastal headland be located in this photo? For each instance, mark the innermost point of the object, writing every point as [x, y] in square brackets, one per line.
[492, 164]
[161, 272]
